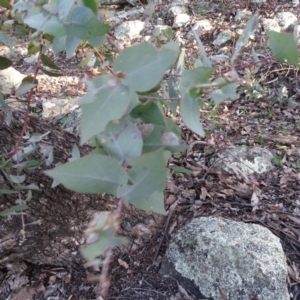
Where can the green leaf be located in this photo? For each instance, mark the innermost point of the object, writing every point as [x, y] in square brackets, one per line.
[144, 66]
[193, 77]
[72, 43]
[63, 8]
[91, 4]
[26, 85]
[178, 169]
[97, 41]
[206, 60]
[16, 178]
[59, 43]
[106, 101]
[190, 114]
[75, 153]
[3, 104]
[154, 203]
[33, 47]
[4, 191]
[244, 37]
[51, 73]
[47, 61]
[180, 62]
[5, 63]
[149, 112]
[189, 106]
[5, 3]
[106, 241]
[14, 209]
[31, 187]
[84, 25]
[21, 30]
[122, 140]
[94, 173]
[227, 91]
[31, 164]
[6, 40]
[172, 104]
[47, 23]
[172, 126]
[147, 175]
[38, 137]
[283, 47]
[150, 92]
[85, 61]
[156, 137]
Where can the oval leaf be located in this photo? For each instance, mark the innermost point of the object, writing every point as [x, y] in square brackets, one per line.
[283, 47]
[91, 4]
[122, 140]
[5, 63]
[51, 73]
[84, 24]
[94, 173]
[14, 209]
[144, 66]
[48, 62]
[148, 179]
[106, 100]
[26, 85]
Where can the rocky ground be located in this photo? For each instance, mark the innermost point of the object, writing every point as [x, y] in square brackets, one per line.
[265, 114]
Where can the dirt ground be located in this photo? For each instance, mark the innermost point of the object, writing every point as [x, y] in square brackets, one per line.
[266, 114]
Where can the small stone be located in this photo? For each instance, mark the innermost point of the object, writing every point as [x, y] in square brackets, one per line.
[30, 60]
[177, 10]
[270, 24]
[129, 29]
[180, 20]
[10, 79]
[285, 19]
[223, 38]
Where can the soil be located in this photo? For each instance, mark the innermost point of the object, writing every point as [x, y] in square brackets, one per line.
[266, 114]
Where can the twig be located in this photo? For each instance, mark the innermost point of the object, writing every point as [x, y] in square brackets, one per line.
[158, 98]
[171, 211]
[110, 40]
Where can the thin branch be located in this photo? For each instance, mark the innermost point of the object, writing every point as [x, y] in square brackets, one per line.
[110, 40]
[26, 118]
[158, 98]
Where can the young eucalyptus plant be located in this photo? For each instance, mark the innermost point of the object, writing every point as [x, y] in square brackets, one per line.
[123, 111]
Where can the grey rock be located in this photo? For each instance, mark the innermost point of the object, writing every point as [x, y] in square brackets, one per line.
[201, 26]
[56, 107]
[242, 15]
[125, 15]
[219, 58]
[180, 2]
[223, 37]
[160, 21]
[270, 24]
[285, 19]
[180, 20]
[295, 3]
[245, 260]
[16, 54]
[10, 79]
[66, 111]
[244, 160]
[30, 60]
[177, 10]
[129, 29]
[71, 121]
[111, 2]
